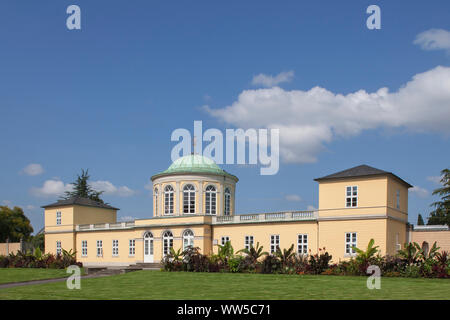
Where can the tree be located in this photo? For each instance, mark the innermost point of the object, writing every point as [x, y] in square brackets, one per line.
[420, 220]
[441, 214]
[14, 225]
[38, 241]
[82, 189]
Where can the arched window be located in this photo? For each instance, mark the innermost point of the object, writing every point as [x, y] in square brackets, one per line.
[189, 199]
[227, 207]
[167, 242]
[156, 202]
[168, 200]
[148, 244]
[188, 239]
[210, 200]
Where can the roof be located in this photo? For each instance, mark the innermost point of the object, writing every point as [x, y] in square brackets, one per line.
[361, 171]
[194, 163]
[81, 202]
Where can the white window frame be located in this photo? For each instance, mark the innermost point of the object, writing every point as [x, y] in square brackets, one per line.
[351, 239]
[188, 239]
[115, 248]
[353, 196]
[224, 240]
[168, 200]
[189, 199]
[58, 248]
[248, 242]
[99, 248]
[274, 242]
[302, 244]
[58, 218]
[211, 200]
[227, 202]
[167, 242]
[84, 248]
[131, 247]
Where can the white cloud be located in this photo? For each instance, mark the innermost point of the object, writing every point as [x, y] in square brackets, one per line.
[6, 203]
[56, 187]
[109, 189]
[434, 39]
[435, 179]
[308, 120]
[270, 81]
[51, 188]
[30, 207]
[420, 192]
[311, 208]
[293, 197]
[33, 169]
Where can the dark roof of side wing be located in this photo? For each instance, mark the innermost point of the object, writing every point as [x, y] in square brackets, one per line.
[360, 171]
[81, 202]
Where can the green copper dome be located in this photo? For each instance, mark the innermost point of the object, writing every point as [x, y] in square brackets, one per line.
[194, 163]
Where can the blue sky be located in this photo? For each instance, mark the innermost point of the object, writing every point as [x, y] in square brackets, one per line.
[107, 97]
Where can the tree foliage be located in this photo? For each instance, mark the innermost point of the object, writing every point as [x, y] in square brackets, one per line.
[441, 214]
[82, 189]
[420, 220]
[14, 225]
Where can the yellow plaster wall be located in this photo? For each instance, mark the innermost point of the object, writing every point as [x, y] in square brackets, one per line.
[67, 241]
[332, 235]
[261, 233]
[372, 196]
[395, 228]
[92, 215]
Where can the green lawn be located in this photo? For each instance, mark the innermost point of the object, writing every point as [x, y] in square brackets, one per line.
[8, 275]
[178, 285]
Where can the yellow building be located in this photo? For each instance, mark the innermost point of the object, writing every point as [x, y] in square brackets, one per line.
[194, 205]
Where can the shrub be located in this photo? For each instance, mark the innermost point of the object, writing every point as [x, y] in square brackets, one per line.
[271, 264]
[194, 261]
[318, 262]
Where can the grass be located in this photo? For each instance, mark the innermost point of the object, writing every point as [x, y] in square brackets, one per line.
[8, 275]
[181, 286]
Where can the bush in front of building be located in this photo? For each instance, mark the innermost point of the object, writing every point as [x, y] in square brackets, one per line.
[412, 261]
[38, 260]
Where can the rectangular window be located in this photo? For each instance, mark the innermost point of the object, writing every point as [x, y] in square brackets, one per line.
[84, 248]
[99, 248]
[302, 244]
[248, 242]
[58, 247]
[115, 248]
[274, 243]
[58, 217]
[350, 242]
[351, 199]
[225, 239]
[398, 199]
[132, 247]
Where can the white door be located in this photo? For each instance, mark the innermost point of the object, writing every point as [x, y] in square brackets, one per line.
[148, 248]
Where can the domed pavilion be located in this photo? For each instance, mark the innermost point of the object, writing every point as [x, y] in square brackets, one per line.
[194, 185]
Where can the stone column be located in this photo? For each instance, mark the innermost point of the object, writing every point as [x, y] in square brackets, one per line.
[220, 200]
[177, 199]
